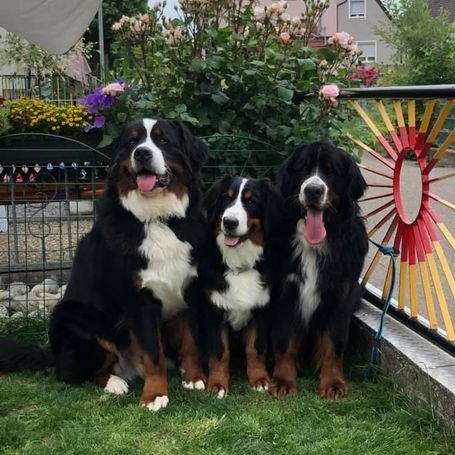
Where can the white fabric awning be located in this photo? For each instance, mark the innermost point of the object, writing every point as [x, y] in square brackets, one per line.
[54, 25]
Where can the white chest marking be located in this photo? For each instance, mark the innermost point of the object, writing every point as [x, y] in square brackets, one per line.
[307, 280]
[169, 269]
[245, 291]
[161, 205]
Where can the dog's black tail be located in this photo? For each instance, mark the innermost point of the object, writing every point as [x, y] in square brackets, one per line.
[16, 355]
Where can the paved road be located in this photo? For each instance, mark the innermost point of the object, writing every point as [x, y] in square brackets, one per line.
[411, 187]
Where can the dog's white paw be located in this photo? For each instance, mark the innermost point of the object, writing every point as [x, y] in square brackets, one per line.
[221, 394]
[157, 404]
[198, 385]
[261, 388]
[116, 385]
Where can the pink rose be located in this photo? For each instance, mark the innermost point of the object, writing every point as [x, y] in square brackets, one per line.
[330, 93]
[281, 7]
[144, 18]
[114, 89]
[285, 37]
[341, 38]
[352, 49]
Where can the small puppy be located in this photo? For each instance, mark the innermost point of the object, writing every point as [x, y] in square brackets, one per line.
[236, 273]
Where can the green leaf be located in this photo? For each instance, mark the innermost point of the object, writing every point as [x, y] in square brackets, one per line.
[198, 65]
[306, 64]
[180, 108]
[121, 117]
[220, 98]
[285, 93]
[107, 140]
[189, 118]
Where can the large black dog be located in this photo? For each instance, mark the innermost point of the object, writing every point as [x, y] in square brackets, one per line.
[324, 250]
[135, 269]
[236, 274]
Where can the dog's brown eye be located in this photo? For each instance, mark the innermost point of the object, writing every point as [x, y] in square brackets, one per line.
[328, 165]
[132, 142]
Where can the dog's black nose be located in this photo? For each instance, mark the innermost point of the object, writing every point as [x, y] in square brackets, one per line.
[142, 154]
[314, 191]
[230, 223]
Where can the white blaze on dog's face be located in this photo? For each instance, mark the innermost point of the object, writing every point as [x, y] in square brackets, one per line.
[234, 219]
[155, 167]
[325, 180]
[237, 208]
[148, 156]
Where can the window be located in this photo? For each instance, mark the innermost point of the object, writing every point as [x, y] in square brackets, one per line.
[368, 49]
[357, 9]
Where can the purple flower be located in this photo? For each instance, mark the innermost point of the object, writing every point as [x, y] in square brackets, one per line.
[99, 121]
[97, 100]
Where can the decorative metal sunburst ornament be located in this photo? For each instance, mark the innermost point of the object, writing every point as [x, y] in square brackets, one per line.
[416, 239]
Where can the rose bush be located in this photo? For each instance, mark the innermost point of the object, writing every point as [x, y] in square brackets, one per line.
[232, 67]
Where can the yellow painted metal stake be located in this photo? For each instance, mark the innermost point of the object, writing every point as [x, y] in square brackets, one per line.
[366, 118]
[441, 297]
[426, 118]
[427, 293]
[445, 265]
[371, 268]
[446, 233]
[388, 281]
[385, 117]
[399, 113]
[411, 113]
[402, 286]
[440, 121]
[450, 139]
[413, 290]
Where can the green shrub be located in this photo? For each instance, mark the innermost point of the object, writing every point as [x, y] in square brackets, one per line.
[233, 68]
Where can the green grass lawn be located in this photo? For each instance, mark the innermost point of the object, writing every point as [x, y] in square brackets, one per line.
[41, 416]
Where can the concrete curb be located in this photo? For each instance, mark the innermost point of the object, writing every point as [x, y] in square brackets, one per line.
[421, 370]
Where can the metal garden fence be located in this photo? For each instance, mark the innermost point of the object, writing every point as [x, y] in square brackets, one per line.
[48, 195]
[48, 191]
[61, 89]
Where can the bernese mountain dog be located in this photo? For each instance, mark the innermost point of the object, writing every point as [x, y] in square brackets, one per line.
[325, 243]
[236, 275]
[133, 278]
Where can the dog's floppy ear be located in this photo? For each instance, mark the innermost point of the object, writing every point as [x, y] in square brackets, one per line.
[212, 196]
[274, 208]
[287, 173]
[195, 150]
[357, 184]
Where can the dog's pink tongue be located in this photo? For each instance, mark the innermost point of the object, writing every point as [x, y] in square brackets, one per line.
[146, 182]
[231, 241]
[313, 228]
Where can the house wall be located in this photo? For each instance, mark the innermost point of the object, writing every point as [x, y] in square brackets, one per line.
[362, 29]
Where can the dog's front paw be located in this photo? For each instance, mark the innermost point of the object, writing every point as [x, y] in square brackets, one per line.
[160, 402]
[198, 384]
[116, 385]
[260, 385]
[220, 390]
[333, 389]
[280, 387]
